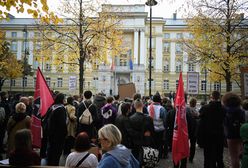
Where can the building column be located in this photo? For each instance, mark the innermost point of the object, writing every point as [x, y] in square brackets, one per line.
[142, 55]
[159, 56]
[172, 57]
[136, 46]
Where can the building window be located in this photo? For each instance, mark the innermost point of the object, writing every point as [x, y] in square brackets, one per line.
[60, 82]
[25, 45]
[37, 34]
[177, 81]
[12, 82]
[166, 84]
[152, 83]
[48, 67]
[179, 35]
[166, 67]
[167, 35]
[13, 34]
[167, 47]
[203, 85]
[217, 86]
[25, 34]
[138, 78]
[153, 42]
[38, 45]
[123, 60]
[24, 81]
[191, 68]
[179, 48]
[13, 46]
[178, 67]
[48, 81]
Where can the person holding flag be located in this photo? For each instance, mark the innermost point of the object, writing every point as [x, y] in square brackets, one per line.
[180, 143]
[42, 101]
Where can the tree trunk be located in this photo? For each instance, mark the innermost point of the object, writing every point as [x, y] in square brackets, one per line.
[81, 75]
[1, 83]
[81, 51]
[228, 81]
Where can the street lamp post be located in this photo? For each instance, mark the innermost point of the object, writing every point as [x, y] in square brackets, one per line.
[25, 58]
[205, 97]
[150, 3]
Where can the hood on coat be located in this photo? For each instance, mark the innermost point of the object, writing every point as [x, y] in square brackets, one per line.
[122, 154]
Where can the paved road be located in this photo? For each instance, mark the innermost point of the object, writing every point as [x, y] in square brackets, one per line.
[198, 160]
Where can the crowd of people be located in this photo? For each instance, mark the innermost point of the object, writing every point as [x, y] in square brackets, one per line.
[72, 125]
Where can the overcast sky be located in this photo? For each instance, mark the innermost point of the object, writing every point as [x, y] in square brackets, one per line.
[164, 8]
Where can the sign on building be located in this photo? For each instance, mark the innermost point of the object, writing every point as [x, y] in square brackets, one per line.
[193, 83]
[72, 83]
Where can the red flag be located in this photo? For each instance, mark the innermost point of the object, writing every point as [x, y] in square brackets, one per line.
[112, 68]
[42, 101]
[180, 144]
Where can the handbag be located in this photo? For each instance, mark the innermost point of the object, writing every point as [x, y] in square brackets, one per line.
[150, 157]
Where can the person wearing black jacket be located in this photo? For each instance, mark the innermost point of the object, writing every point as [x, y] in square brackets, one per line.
[141, 130]
[57, 130]
[133, 109]
[211, 132]
[122, 122]
[4, 103]
[91, 128]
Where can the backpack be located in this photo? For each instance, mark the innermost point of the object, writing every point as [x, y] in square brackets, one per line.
[2, 115]
[86, 117]
[107, 114]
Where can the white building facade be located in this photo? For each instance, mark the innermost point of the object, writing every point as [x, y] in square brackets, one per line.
[168, 58]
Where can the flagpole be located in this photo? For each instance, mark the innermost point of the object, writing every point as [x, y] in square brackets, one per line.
[114, 82]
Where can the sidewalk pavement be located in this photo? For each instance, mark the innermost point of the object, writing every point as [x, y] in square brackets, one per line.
[197, 162]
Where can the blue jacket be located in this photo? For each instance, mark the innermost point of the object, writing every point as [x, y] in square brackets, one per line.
[119, 157]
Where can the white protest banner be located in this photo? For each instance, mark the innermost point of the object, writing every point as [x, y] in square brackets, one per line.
[72, 83]
[192, 83]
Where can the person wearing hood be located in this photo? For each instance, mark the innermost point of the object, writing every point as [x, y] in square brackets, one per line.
[99, 101]
[234, 118]
[116, 155]
[19, 120]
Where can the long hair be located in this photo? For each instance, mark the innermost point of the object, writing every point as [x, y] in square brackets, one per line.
[23, 140]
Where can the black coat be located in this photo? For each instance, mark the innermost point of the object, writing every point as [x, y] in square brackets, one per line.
[211, 129]
[57, 129]
[123, 123]
[139, 124]
[90, 129]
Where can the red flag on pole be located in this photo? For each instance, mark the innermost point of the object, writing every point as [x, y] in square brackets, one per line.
[180, 144]
[42, 101]
[112, 67]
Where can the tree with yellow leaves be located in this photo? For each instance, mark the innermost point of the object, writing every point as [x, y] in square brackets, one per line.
[219, 40]
[10, 67]
[36, 8]
[86, 35]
